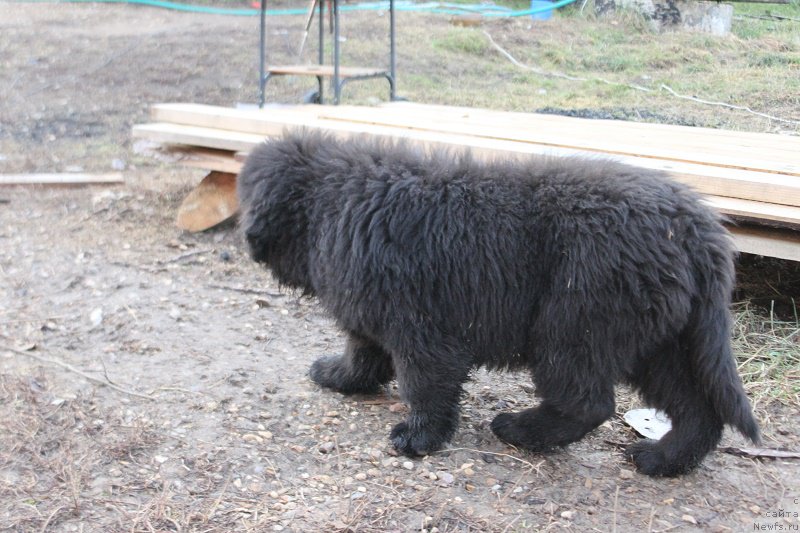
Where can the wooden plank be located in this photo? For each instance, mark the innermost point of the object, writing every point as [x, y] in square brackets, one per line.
[196, 136]
[191, 134]
[702, 144]
[705, 138]
[212, 202]
[773, 154]
[63, 179]
[777, 214]
[707, 179]
[783, 244]
[207, 158]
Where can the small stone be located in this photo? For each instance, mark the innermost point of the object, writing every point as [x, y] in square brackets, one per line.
[251, 438]
[626, 474]
[496, 488]
[96, 316]
[327, 447]
[397, 407]
[361, 476]
[567, 515]
[408, 465]
[689, 518]
[160, 459]
[445, 478]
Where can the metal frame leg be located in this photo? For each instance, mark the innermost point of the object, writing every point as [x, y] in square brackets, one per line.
[392, 54]
[337, 89]
[262, 80]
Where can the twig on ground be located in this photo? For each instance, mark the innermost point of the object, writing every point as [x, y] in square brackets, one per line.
[537, 467]
[183, 256]
[244, 290]
[78, 371]
[727, 105]
[50, 518]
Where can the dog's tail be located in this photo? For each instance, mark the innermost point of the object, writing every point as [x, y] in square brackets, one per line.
[708, 337]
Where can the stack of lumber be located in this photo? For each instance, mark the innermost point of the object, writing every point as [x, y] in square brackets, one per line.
[754, 178]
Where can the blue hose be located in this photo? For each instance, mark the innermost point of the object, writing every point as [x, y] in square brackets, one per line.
[429, 7]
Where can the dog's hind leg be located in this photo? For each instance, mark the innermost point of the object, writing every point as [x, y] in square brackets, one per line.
[572, 406]
[362, 369]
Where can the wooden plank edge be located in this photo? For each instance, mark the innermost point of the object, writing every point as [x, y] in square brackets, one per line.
[771, 242]
[62, 179]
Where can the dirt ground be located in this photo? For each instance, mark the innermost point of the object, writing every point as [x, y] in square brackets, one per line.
[154, 380]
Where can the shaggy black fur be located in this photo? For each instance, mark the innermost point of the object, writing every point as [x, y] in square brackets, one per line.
[586, 273]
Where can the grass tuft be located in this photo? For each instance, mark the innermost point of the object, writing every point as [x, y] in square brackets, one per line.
[768, 351]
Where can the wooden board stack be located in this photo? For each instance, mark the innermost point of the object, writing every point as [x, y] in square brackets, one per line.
[754, 178]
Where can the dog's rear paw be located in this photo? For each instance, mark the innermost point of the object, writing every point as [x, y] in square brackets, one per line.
[332, 372]
[507, 427]
[650, 459]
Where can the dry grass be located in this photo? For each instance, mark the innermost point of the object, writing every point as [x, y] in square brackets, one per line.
[769, 356]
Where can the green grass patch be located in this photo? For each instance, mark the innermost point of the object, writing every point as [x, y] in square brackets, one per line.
[462, 41]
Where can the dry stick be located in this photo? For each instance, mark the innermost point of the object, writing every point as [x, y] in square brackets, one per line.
[49, 518]
[244, 290]
[183, 256]
[78, 371]
[634, 86]
[536, 467]
[725, 104]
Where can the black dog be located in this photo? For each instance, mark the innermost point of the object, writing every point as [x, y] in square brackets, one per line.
[586, 273]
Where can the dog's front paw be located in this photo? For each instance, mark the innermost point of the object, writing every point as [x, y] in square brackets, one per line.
[414, 443]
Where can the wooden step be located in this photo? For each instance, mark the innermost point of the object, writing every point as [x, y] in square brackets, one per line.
[325, 71]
